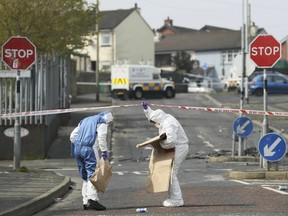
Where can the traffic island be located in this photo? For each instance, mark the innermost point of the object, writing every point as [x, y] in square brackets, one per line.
[223, 159]
[258, 174]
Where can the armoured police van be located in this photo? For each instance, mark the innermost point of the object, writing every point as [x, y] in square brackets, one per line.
[137, 81]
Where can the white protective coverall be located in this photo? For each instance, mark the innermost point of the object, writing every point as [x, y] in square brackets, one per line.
[86, 139]
[177, 138]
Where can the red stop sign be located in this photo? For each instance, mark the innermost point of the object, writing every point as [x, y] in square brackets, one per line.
[265, 51]
[18, 53]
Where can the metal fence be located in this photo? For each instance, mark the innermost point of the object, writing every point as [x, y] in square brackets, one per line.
[45, 86]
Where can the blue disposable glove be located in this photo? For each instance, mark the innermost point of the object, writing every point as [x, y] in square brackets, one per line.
[144, 105]
[104, 155]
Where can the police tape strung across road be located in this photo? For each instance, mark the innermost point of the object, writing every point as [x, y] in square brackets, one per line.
[240, 111]
[207, 109]
[59, 111]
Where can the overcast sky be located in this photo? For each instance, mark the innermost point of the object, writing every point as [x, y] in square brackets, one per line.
[269, 14]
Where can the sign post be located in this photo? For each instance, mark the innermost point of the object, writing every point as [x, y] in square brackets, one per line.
[18, 53]
[265, 51]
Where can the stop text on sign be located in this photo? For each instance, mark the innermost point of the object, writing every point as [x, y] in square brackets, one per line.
[255, 51]
[15, 53]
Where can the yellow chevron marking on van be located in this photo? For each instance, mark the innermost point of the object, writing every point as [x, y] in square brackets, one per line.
[120, 81]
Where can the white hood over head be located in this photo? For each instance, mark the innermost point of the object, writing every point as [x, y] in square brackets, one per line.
[157, 116]
[108, 117]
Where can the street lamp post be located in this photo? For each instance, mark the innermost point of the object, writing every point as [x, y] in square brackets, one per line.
[97, 53]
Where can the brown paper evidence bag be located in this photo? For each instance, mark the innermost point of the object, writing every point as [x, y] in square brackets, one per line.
[101, 177]
[160, 166]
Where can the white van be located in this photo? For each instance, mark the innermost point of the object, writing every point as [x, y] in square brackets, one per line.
[137, 81]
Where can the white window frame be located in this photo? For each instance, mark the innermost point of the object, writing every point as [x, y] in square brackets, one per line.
[105, 39]
[227, 56]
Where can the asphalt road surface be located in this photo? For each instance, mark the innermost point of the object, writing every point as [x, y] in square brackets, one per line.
[205, 188]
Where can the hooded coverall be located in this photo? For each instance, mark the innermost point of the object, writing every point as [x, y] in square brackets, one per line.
[86, 139]
[177, 138]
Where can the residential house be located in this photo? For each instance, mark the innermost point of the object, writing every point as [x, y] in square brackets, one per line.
[284, 46]
[169, 29]
[282, 64]
[210, 46]
[125, 38]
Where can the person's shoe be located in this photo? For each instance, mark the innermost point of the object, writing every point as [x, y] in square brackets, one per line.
[92, 204]
[173, 203]
[85, 207]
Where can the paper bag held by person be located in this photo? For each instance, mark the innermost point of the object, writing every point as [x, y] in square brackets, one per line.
[101, 177]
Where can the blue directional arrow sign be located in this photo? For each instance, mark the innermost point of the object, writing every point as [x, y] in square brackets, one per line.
[205, 66]
[272, 147]
[243, 126]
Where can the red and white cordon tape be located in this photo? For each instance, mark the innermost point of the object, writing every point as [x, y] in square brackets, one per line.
[239, 111]
[207, 109]
[59, 111]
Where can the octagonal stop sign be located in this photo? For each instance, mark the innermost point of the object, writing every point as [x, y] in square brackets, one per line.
[18, 53]
[265, 51]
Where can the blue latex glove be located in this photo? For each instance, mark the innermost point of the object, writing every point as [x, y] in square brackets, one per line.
[144, 105]
[104, 155]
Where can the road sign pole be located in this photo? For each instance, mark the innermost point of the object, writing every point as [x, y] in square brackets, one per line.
[265, 127]
[265, 51]
[233, 144]
[17, 135]
[18, 53]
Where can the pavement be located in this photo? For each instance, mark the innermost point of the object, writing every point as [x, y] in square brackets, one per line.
[31, 190]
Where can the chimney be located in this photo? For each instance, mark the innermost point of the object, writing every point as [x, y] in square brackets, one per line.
[137, 8]
[168, 21]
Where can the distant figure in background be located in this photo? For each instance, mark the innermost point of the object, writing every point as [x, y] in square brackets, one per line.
[172, 135]
[86, 139]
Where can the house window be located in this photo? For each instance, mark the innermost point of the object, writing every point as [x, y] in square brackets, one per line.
[106, 39]
[229, 55]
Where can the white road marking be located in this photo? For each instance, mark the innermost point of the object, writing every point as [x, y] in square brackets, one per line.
[120, 173]
[140, 172]
[241, 182]
[276, 190]
[62, 169]
[267, 187]
[201, 137]
[207, 143]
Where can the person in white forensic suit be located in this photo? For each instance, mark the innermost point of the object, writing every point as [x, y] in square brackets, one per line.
[172, 135]
[86, 140]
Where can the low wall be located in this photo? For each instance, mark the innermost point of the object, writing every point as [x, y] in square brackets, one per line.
[36, 144]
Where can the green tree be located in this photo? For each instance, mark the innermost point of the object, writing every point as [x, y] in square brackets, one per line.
[54, 26]
[182, 61]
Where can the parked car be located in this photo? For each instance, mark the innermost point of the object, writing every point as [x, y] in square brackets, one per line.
[276, 84]
[254, 74]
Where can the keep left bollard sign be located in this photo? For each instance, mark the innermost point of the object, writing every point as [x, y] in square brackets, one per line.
[18, 53]
[272, 147]
[243, 126]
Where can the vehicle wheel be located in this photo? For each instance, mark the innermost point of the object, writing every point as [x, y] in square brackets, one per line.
[138, 94]
[169, 93]
[259, 92]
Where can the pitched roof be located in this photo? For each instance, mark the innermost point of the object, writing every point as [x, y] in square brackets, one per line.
[209, 28]
[176, 29]
[111, 19]
[200, 41]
